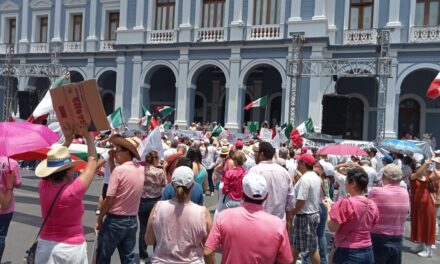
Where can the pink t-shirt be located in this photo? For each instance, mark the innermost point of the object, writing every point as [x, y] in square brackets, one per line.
[393, 203]
[3, 169]
[352, 232]
[253, 236]
[126, 185]
[232, 183]
[65, 221]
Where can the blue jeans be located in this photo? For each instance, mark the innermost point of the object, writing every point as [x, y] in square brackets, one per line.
[117, 232]
[322, 240]
[354, 256]
[387, 249]
[145, 208]
[5, 220]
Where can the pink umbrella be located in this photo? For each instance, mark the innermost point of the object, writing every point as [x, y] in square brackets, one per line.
[342, 150]
[22, 137]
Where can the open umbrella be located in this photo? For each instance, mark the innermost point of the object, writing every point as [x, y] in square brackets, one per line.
[319, 137]
[400, 146]
[342, 150]
[24, 136]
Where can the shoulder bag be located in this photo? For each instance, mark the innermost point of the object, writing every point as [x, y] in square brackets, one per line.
[333, 246]
[30, 253]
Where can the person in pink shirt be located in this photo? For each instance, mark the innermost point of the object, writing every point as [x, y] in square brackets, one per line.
[9, 178]
[232, 187]
[393, 203]
[62, 236]
[353, 218]
[254, 236]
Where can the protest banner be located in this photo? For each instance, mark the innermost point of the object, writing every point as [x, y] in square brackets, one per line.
[191, 134]
[266, 134]
[79, 105]
[232, 138]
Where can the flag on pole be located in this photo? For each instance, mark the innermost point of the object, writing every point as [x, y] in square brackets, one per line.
[253, 127]
[145, 120]
[262, 102]
[218, 131]
[152, 142]
[286, 129]
[304, 127]
[165, 111]
[434, 89]
[153, 122]
[115, 118]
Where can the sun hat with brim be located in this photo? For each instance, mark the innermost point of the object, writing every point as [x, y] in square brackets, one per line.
[58, 159]
[436, 159]
[129, 143]
[224, 150]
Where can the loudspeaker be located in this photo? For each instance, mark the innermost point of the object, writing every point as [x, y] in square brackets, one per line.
[27, 102]
[334, 114]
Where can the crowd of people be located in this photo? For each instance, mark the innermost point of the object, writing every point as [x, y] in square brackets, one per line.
[274, 205]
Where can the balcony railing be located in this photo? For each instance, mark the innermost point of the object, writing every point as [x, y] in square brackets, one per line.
[107, 45]
[422, 34]
[360, 36]
[162, 36]
[4, 48]
[210, 34]
[72, 46]
[39, 48]
[265, 32]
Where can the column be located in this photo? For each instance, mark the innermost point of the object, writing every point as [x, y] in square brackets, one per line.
[319, 10]
[331, 9]
[120, 78]
[24, 42]
[258, 113]
[91, 40]
[394, 21]
[236, 26]
[139, 15]
[90, 68]
[295, 11]
[146, 87]
[392, 102]
[185, 27]
[315, 94]
[182, 99]
[123, 16]
[215, 100]
[233, 90]
[135, 91]
[57, 23]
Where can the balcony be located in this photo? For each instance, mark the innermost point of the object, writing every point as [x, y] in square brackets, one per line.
[39, 48]
[264, 32]
[107, 45]
[72, 46]
[422, 34]
[4, 48]
[210, 34]
[360, 36]
[162, 36]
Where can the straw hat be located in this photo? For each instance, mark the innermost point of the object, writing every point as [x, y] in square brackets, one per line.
[224, 150]
[58, 159]
[129, 143]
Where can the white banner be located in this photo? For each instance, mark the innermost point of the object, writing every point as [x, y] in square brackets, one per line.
[266, 134]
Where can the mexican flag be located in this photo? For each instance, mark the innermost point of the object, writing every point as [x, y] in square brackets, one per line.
[434, 89]
[115, 118]
[304, 127]
[145, 120]
[165, 111]
[253, 127]
[218, 131]
[262, 102]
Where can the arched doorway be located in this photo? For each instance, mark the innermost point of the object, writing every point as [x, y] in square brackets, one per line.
[161, 90]
[263, 80]
[409, 117]
[107, 87]
[76, 77]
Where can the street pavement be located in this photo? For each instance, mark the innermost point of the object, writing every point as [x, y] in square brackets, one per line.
[27, 221]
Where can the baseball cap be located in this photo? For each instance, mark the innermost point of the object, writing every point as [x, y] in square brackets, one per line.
[329, 170]
[387, 158]
[183, 176]
[239, 144]
[306, 158]
[255, 186]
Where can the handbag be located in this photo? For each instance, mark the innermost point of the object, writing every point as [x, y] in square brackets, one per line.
[431, 187]
[30, 253]
[333, 246]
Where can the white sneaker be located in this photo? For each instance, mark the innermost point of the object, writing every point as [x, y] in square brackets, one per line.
[425, 254]
[418, 248]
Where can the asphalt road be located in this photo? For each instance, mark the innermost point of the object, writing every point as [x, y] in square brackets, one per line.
[27, 220]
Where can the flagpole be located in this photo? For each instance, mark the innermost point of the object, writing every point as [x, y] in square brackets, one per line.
[265, 115]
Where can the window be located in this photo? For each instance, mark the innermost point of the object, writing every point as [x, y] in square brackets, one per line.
[266, 12]
[12, 27]
[165, 14]
[113, 24]
[42, 37]
[427, 13]
[361, 14]
[213, 11]
[77, 28]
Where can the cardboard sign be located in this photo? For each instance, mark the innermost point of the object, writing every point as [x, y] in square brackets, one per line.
[191, 134]
[79, 105]
[266, 134]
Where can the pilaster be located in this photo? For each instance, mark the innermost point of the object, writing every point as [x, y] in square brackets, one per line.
[123, 16]
[135, 91]
[23, 43]
[139, 15]
[57, 22]
[185, 27]
[316, 91]
[120, 78]
[394, 21]
[182, 99]
[92, 40]
[234, 102]
[236, 27]
[319, 13]
[392, 101]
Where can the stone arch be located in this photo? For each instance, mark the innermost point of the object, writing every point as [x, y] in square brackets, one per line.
[423, 108]
[201, 65]
[410, 69]
[260, 62]
[79, 71]
[104, 70]
[152, 67]
[106, 81]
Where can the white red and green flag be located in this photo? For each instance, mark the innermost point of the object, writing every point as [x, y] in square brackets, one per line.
[304, 127]
[434, 88]
[165, 111]
[146, 117]
[262, 102]
[218, 131]
[115, 119]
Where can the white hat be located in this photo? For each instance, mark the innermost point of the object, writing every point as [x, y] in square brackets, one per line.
[183, 176]
[328, 168]
[58, 159]
[255, 186]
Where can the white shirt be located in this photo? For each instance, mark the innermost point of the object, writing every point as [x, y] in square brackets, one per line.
[308, 189]
[374, 164]
[169, 152]
[249, 163]
[372, 176]
[291, 166]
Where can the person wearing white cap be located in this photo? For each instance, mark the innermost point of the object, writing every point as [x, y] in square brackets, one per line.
[254, 236]
[178, 227]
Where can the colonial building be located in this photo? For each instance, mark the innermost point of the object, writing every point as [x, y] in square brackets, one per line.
[208, 58]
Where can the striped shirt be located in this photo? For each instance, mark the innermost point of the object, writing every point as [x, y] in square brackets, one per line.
[393, 203]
